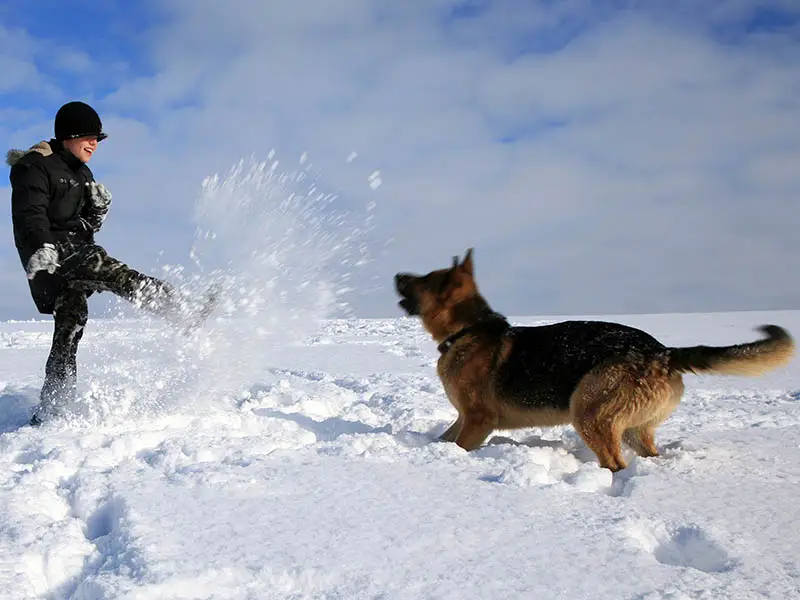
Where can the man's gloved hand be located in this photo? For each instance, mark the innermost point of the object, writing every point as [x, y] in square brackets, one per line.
[100, 196]
[44, 259]
[99, 203]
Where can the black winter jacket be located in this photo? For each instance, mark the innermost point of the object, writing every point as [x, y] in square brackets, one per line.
[50, 203]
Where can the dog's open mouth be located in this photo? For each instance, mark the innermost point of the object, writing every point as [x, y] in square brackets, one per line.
[404, 285]
[410, 306]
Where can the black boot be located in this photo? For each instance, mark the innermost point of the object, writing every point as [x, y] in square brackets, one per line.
[198, 314]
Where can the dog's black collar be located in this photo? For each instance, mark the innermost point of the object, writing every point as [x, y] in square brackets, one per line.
[492, 318]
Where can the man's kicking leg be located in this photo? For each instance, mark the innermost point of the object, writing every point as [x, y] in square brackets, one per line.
[91, 268]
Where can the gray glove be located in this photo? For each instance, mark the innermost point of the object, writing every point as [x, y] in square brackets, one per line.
[44, 259]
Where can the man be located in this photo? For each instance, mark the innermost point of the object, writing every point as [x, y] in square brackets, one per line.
[57, 207]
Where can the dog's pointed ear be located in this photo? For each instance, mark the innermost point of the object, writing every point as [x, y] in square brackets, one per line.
[455, 262]
[467, 264]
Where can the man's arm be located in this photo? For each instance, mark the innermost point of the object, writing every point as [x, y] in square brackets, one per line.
[30, 200]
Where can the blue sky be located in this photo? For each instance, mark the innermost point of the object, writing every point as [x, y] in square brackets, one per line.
[600, 156]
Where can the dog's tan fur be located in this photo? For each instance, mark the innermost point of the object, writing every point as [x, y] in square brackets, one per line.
[623, 398]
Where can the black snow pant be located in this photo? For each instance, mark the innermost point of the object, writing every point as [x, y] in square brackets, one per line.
[87, 268]
[61, 370]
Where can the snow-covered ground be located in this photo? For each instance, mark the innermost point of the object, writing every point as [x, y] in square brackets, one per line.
[244, 464]
[279, 453]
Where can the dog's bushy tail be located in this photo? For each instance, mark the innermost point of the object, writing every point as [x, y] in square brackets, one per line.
[753, 358]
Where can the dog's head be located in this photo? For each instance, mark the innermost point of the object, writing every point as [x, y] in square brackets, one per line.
[443, 298]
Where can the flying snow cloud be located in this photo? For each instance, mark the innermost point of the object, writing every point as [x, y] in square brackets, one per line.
[599, 158]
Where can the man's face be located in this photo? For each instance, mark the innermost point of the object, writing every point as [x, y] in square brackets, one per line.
[83, 147]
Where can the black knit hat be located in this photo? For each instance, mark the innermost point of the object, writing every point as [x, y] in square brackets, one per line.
[78, 119]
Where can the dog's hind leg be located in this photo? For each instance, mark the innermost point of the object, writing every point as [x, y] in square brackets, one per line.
[641, 439]
[626, 399]
[604, 439]
[596, 408]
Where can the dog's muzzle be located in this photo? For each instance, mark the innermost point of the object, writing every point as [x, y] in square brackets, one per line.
[403, 283]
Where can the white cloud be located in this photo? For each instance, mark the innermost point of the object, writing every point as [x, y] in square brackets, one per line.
[73, 60]
[19, 71]
[667, 184]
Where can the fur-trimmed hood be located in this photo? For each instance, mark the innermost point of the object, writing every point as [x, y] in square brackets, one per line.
[13, 156]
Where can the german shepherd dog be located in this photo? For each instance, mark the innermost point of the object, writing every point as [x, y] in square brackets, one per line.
[614, 383]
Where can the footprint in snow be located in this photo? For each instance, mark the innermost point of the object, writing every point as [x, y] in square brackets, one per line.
[687, 545]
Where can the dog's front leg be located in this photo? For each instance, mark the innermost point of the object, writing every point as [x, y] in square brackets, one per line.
[452, 432]
[478, 424]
